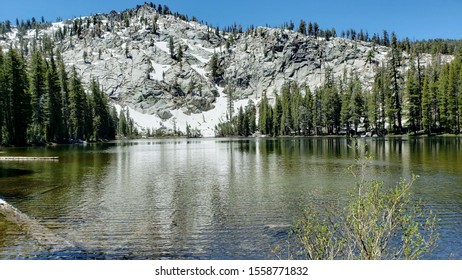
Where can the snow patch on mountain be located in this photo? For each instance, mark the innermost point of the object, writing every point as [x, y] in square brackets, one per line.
[136, 70]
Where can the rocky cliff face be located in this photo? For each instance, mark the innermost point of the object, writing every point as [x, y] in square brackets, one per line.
[132, 60]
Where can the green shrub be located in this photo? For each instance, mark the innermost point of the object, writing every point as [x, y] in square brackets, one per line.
[378, 223]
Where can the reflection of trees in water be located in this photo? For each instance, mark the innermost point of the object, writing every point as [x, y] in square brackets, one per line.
[14, 172]
[180, 197]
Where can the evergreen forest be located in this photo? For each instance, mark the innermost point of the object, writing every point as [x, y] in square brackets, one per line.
[420, 100]
[41, 103]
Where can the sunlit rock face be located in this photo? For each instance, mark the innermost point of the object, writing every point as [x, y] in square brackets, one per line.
[135, 55]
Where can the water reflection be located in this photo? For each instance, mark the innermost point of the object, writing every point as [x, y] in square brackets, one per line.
[14, 172]
[211, 198]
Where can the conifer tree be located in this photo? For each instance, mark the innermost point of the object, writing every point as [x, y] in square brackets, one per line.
[88, 129]
[459, 96]
[394, 64]
[3, 85]
[77, 104]
[345, 113]
[103, 127]
[214, 67]
[64, 96]
[331, 105]
[374, 104]
[262, 117]
[114, 121]
[317, 111]
[277, 114]
[285, 113]
[307, 115]
[356, 104]
[37, 89]
[180, 53]
[230, 100]
[241, 122]
[123, 124]
[413, 100]
[251, 112]
[17, 107]
[296, 101]
[171, 47]
[452, 97]
[310, 29]
[442, 97]
[316, 30]
[427, 109]
[302, 27]
[54, 118]
[154, 25]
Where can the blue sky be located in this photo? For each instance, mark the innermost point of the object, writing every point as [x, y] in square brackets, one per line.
[416, 19]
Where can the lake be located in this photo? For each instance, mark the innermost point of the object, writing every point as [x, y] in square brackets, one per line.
[208, 198]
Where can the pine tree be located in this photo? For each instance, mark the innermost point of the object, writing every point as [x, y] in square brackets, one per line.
[166, 10]
[356, 104]
[88, 129]
[331, 106]
[214, 67]
[316, 30]
[385, 39]
[302, 27]
[251, 112]
[180, 53]
[345, 113]
[459, 94]
[230, 100]
[285, 113]
[171, 47]
[114, 122]
[123, 129]
[295, 109]
[154, 25]
[310, 29]
[77, 104]
[452, 96]
[64, 97]
[3, 85]
[318, 111]
[427, 112]
[374, 104]
[291, 26]
[54, 118]
[241, 122]
[277, 114]
[17, 104]
[37, 89]
[442, 97]
[103, 127]
[413, 100]
[420, 78]
[263, 115]
[395, 78]
[307, 115]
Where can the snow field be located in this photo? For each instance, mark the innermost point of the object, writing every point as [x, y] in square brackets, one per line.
[205, 121]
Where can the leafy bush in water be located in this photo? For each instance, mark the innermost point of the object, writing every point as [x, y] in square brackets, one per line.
[378, 223]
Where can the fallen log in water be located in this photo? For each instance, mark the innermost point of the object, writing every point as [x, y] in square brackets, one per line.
[14, 158]
[32, 227]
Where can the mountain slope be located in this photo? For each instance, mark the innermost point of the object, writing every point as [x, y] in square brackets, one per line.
[130, 54]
